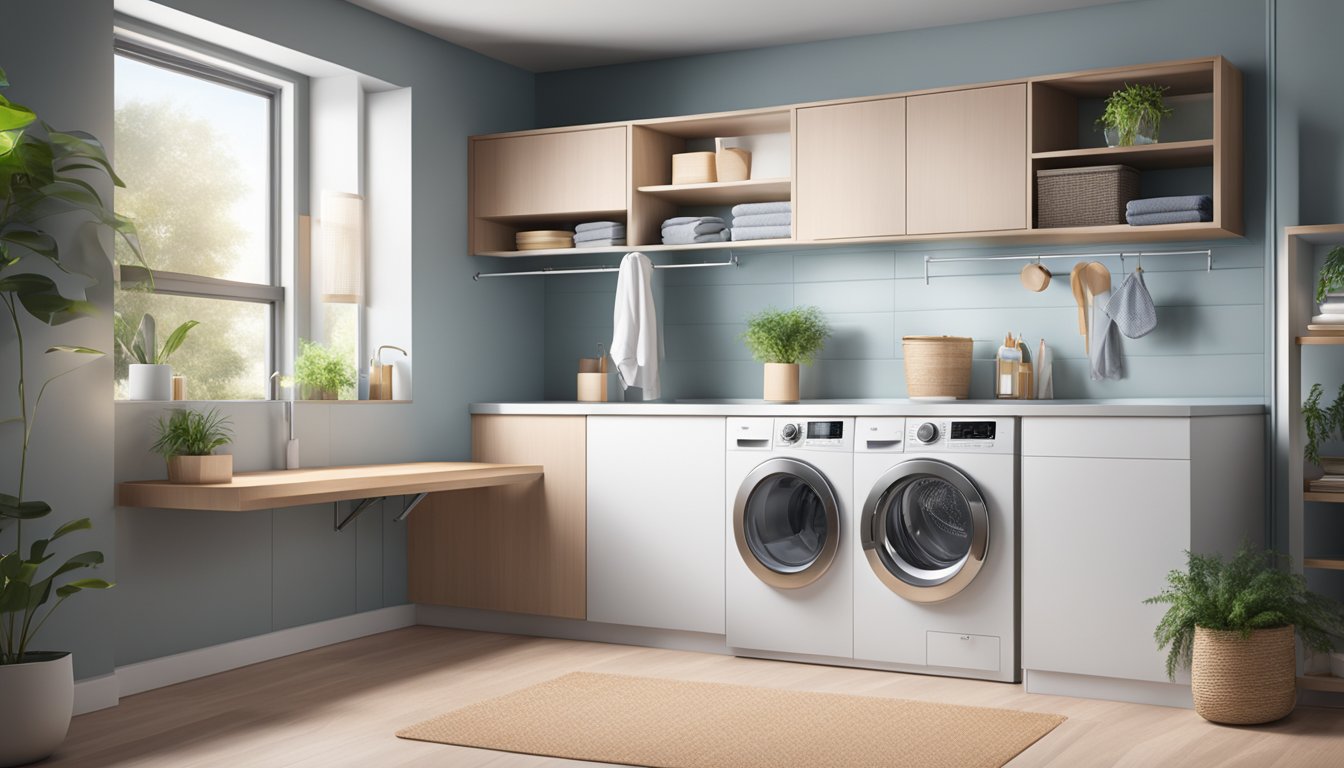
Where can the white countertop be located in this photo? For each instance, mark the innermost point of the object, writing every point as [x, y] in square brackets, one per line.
[1159, 407]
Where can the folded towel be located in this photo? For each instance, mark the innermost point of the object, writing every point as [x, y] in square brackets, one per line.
[1325, 319]
[600, 243]
[764, 220]
[687, 236]
[636, 344]
[1168, 204]
[692, 228]
[1168, 217]
[761, 233]
[752, 209]
[591, 225]
[599, 234]
[1332, 307]
[681, 220]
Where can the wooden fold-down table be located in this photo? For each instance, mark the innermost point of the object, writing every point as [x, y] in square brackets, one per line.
[292, 487]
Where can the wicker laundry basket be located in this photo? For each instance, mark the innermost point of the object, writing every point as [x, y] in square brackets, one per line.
[938, 366]
[1243, 681]
[1084, 197]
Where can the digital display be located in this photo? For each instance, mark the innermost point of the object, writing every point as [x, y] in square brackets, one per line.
[973, 430]
[825, 430]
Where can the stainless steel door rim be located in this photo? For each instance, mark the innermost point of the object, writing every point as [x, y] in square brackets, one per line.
[788, 576]
[910, 581]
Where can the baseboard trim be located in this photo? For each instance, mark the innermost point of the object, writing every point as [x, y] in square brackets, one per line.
[568, 629]
[1108, 688]
[102, 692]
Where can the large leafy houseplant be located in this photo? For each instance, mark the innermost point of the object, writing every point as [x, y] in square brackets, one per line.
[40, 186]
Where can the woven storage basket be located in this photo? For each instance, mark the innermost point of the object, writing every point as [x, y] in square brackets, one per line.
[938, 366]
[1243, 681]
[1084, 197]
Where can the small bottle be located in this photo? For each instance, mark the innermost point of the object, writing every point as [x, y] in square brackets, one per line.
[1006, 367]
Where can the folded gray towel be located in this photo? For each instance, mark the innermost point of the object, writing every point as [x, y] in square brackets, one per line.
[1169, 217]
[752, 209]
[600, 243]
[763, 220]
[1169, 204]
[680, 220]
[591, 225]
[761, 233]
[692, 228]
[677, 236]
[600, 234]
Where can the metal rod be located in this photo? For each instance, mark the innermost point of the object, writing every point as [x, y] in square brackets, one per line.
[1206, 252]
[359, 508]
[731, 262]
[414, 503]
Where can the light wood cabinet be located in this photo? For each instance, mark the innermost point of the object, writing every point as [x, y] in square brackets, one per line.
[519, 548]
[966, 163]
[851, 170]
[547, 174]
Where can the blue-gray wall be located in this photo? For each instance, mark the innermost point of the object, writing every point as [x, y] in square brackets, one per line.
[1210, 339]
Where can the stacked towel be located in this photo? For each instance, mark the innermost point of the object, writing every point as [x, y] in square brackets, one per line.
[762, 221]
[1169, 210]
[684, 230]
[594, 234]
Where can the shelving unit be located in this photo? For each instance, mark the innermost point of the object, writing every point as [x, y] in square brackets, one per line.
[1176, 154]
[722, 192]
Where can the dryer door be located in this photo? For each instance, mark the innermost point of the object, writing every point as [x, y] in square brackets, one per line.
[787, 523]
[925, 530]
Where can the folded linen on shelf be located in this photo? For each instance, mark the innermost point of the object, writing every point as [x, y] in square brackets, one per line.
[1167, 217]
[687, 236]
[599, 234]
[1335, 307]
[600, 243]
[1169, 204]
[591, 225]
[762, 233]
[1327, 319]
[753, 209]
[763, 220]
[678, 221]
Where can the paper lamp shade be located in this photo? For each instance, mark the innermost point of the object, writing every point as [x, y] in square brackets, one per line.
[341, 229]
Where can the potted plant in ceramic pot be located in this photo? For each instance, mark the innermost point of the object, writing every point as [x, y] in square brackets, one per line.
[149, 376]
[320, 373]
[1322, 423]
[783, 339]
[37, 184]
[1233, 625]
[1133, 115]
[187, 441]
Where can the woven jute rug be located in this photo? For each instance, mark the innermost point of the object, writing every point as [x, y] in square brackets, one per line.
[677, 724]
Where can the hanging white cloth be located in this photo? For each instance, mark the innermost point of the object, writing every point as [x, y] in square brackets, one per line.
[635, 343]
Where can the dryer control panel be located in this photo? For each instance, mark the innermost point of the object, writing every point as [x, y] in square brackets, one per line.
[978, 435]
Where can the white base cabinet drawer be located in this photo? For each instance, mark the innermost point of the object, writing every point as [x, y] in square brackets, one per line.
[949, 649]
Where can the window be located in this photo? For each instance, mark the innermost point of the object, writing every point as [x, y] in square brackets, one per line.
[196, 147]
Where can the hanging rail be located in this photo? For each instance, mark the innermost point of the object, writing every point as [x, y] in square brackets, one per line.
[1207, 253]
[731, 262]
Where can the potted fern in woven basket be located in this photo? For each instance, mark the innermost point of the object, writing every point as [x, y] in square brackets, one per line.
[1232, 623]
[782, 339]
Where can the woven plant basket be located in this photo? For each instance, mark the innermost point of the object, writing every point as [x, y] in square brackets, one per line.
[938, 366]
[1244, 681]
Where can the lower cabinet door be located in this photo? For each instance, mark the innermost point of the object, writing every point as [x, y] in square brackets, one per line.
[656, 514]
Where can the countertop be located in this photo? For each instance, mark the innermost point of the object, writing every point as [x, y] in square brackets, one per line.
[1154, 407]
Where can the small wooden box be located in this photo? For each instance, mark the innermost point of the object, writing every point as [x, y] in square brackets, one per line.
[694, 168]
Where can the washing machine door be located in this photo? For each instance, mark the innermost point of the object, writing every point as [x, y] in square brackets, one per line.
[925, 530]
[787, 523]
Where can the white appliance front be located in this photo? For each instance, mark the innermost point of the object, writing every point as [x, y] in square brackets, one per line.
[789, 576]
[936, 586]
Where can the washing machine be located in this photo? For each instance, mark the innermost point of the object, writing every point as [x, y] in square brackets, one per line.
[935, 550]
[788, 573]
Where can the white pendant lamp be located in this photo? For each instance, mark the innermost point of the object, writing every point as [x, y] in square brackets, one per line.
[342, 242]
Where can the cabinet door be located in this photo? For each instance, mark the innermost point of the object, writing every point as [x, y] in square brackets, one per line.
[550, 173]
[850, 178]
[1098, 537]
[656, 522]
[966, 164]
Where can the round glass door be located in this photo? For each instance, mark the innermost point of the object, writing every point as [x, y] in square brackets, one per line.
[925, 530]
[787, 523]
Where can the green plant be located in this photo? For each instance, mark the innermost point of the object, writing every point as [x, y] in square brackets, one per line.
[1321, 423]
[38, 185]
[323, 370]
[192, 433]
[1252, 591]
[1130, 105]
[138, 346]
[1332, 273]
[786, 336]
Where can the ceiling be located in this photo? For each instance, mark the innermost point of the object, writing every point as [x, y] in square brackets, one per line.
[549, 35]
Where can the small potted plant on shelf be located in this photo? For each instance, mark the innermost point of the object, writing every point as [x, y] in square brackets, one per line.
[783, 339]
[1232, 624]
[320, 373]
[1322, 424]
[187, 441]
[1332, 276]
[1133, 115]
[149, 376]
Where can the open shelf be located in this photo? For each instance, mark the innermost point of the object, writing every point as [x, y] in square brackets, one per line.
[556, 219]
[1145, 157]
[1323, 563]
[1320, 338]
[650, 248]
[1326, 497]
[723, 192]
[1327, 683]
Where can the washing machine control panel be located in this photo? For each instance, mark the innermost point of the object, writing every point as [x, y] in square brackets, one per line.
[812, 433]
[953, 434]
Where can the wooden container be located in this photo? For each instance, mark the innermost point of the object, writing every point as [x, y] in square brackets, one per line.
[380, 382]
[694, 168]
[1084, 197]
[938, 367]
[781, 382]
[592, 387]
[731, 163]
[217, 468]
[179, 387]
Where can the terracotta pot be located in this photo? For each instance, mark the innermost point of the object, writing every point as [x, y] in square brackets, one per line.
[35, 710]
[1244, 680]
[217, 468]
[781, 382]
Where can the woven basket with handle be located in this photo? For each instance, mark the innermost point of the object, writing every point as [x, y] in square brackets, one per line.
[1244, 680]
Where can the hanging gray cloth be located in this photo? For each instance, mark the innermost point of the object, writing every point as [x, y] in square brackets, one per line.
[1104, 354]
[1131, 307]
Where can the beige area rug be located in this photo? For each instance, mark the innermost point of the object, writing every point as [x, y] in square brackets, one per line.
[676, 724]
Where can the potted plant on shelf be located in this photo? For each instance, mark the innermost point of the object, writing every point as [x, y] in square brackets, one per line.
[1232, 624]
[1322, 424]
[149, 376]
[782, 339]
[187, 441]
[1332, 275]
[321, 373]
[36, 184]
[1133, 115]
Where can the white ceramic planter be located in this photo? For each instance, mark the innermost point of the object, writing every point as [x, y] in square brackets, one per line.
[150, 382]
[35, 710]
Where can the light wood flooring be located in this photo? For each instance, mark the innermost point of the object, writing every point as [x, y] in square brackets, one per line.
[340, 705]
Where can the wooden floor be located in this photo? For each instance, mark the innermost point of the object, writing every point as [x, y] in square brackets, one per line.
[340, 705]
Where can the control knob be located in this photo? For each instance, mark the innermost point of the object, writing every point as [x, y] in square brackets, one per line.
[927, 433]
[789, 433]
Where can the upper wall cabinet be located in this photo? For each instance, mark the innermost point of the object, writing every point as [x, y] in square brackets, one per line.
[851, 170]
